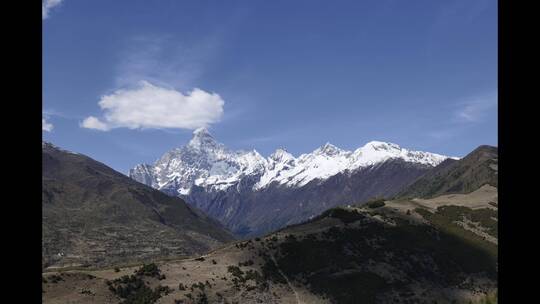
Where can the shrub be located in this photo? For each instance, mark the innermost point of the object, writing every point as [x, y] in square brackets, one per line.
[376, 203]
[202, 298]
[235, 271]
[150, 270]
[246, 263]
[55, 278]
[135, 291]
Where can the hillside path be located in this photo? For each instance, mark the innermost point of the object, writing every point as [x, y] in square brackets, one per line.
[298, 301]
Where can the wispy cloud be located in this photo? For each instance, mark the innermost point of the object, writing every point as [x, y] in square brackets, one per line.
[152, 73]
[46, 6]
[466, 113]
[163, 60]
[151, 106]
[477, 108]
[46, 126]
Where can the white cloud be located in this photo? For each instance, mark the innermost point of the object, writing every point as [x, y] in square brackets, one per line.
[475, 109]
[92, 122]
[47, 5]
[46, 126]
[150, 106]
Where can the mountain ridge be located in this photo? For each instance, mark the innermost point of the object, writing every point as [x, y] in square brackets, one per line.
[205, 162]
[95, 215]
[477, 168]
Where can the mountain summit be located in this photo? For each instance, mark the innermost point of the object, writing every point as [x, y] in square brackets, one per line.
[251, 194]
[202, 139]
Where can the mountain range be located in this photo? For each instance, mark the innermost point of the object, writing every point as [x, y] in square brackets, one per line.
[252, 195]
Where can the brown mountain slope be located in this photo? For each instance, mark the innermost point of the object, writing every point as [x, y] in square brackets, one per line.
[95, 216]
[473, 171]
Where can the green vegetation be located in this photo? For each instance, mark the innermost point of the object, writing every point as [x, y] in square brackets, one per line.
[345, 215]
[445, 219]
[202, 298]
[241, 278]
[375, 203]
[329, 262]
[150, 270]
[235, 271]
[134, 290]
[270, 271]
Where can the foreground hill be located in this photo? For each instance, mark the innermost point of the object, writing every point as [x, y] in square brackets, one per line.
[95, 216]
[478, 168]
[253, 195]
[441, 250]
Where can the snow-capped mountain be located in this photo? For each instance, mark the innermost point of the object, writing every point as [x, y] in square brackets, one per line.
[252, 195]
[206, 163]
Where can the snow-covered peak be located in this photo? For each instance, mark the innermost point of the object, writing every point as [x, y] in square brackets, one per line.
[207, 163]
[281, 155]
[328, 149]
[377, 151]
[202, 132]
[202, 139]
[381, 146]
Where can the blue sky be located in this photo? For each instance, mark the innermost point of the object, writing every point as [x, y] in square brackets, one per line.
[125, 81]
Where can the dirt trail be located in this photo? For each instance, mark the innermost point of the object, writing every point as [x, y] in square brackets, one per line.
[298, 301]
